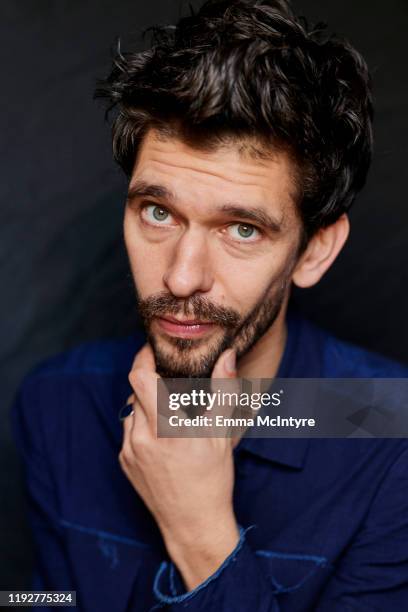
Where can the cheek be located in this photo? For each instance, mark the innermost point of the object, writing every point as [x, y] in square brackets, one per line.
[244, 284]
[147, 261]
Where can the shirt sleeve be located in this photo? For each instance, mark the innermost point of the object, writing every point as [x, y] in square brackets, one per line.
[238, 584]
[51, 571]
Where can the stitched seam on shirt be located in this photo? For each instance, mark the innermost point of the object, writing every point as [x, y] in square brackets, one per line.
[104, 534]
[291, 556]
[279, 588]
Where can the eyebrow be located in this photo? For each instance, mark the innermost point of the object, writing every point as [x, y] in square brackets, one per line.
[256, 214]
[142, 189]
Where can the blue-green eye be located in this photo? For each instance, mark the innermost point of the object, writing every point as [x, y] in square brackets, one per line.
[244, 232]
[157, 214]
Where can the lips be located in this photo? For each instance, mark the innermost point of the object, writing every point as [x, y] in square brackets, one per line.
[186, 321]
[185, 327]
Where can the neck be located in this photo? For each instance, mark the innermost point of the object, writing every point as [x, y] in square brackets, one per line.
[262, 361]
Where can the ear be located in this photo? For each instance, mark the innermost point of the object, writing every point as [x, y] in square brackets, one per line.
[320, 253]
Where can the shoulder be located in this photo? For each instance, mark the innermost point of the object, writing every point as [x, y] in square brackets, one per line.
[74, 384]
[350, 360]
[340, 358]
[108, 357]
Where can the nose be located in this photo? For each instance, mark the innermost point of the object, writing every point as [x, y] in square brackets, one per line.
[189, 270]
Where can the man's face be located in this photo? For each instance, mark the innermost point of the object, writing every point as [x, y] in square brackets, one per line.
[212, 239]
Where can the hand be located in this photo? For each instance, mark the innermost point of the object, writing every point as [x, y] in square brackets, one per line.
[187, 483]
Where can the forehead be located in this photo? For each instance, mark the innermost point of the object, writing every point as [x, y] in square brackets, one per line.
[231, 172]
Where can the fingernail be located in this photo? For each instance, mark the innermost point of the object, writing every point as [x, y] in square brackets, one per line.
[230, 362]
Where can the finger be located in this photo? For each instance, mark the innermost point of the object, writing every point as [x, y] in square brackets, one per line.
[126, 455]
[139, 416]
[135, 410]
[127, 408]
[135, 427]
[145, 359]
[225, 366]
[225, 382]
[144, 371]
[131, 407]
[224, 373]
[127, 431]
[236, 438]
[144, 383]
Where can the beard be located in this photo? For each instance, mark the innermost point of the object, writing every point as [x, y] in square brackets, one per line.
[178, 358]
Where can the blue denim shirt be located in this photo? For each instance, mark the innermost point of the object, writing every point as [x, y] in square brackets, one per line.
[324, 522]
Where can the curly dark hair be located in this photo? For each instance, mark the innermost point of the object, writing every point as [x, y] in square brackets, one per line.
[252, 69]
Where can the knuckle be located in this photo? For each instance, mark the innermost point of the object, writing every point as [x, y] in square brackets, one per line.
[142, 449]
[137, 378]
[122, 459]
[139, 442]
[126, 455]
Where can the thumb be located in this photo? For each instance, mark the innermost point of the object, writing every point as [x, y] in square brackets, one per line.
[145, 359]
[225, 366]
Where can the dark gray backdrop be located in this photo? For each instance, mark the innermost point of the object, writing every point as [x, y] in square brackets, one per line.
[64, 272]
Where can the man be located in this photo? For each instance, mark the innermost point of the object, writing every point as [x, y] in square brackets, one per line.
[246, 137]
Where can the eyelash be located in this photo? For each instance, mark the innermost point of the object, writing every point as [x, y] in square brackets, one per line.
[153, 206]
[145, 207]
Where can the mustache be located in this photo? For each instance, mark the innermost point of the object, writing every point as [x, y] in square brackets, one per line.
[196, 306]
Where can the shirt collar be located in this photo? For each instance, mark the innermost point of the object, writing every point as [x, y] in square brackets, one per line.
[285, 451]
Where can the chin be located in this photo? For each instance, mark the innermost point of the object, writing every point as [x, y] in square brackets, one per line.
[192, 360]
